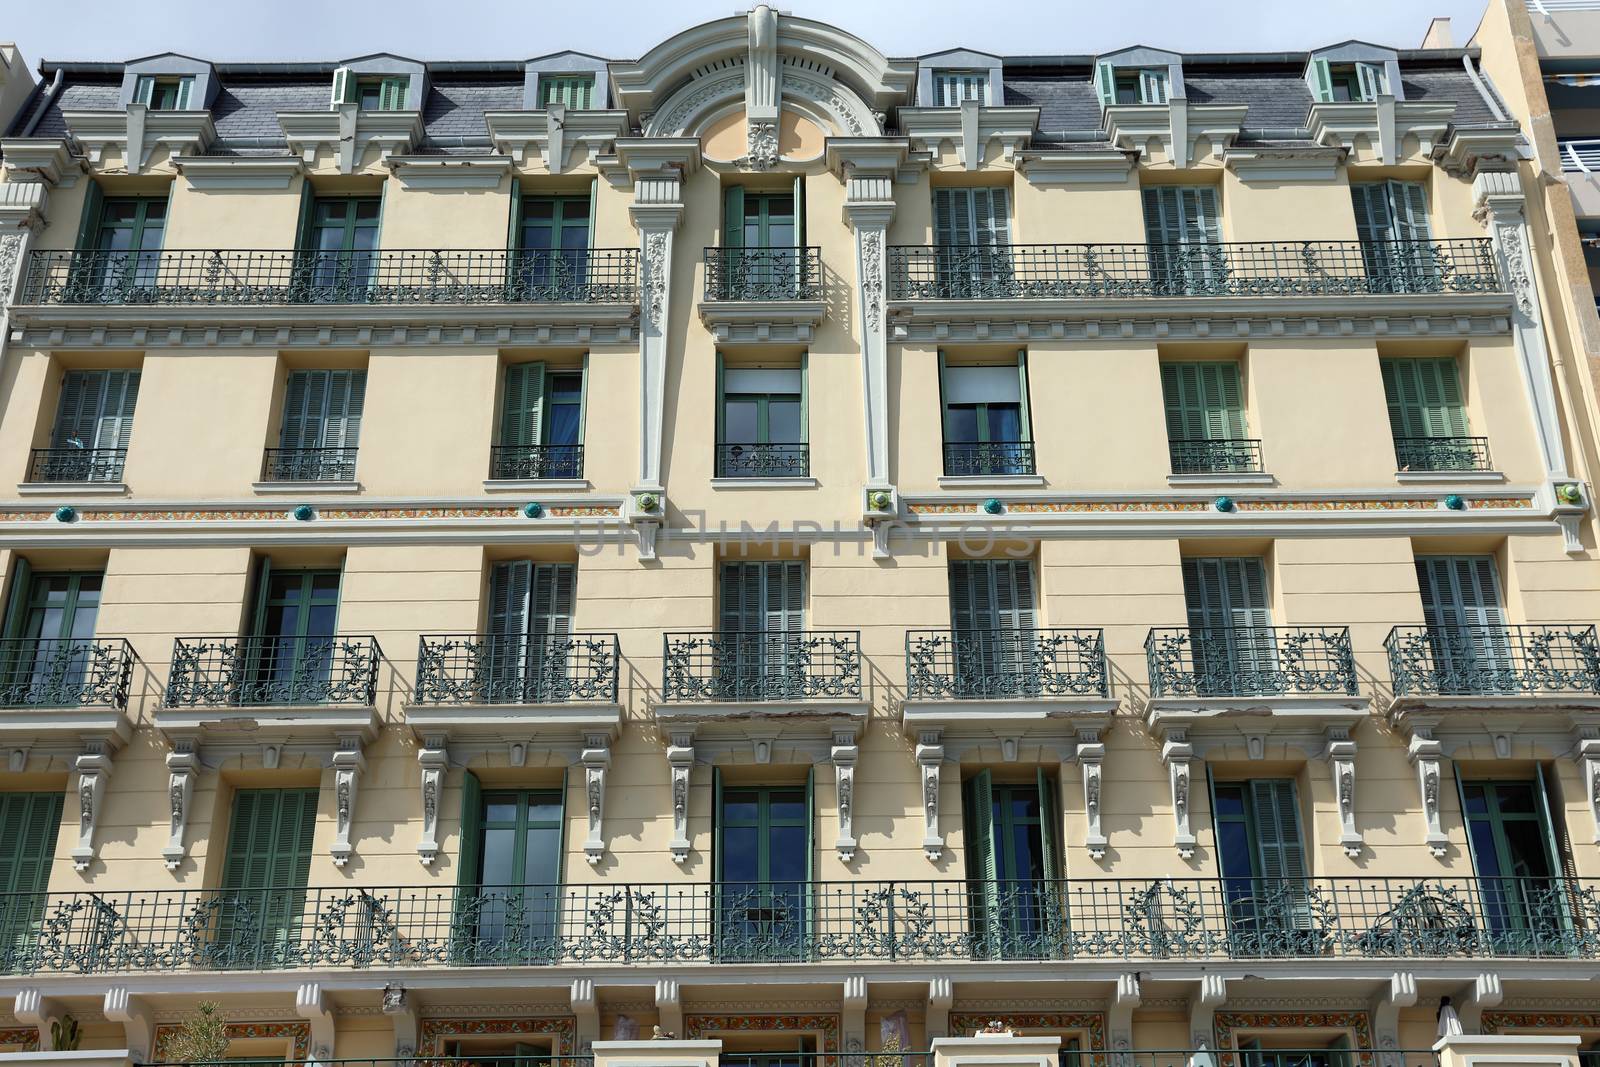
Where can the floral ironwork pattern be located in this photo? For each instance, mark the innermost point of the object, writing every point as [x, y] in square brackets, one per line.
[1250, 661]
[763, 460]
[532, 462]
[1221, 456]
[1486, 660]
[764, 273]
[971, 664]
[966, 459]
[517, 668]
[45, 672]
[211, 672]
[802, 665]
[1442, 454]
[76, 464]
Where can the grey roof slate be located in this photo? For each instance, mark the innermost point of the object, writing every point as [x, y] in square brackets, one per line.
[454, 109]
[74, 96]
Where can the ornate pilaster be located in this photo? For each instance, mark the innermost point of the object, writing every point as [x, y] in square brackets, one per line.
[1341, 756]
[596, 760]
[94, 769]
[680, 758]
[1091, 752]
[1498, 204]
[930, 755]
[433, 758]
[1425, 753]
[1178, 755]
[182, 764]
[348, 763]
[762, 100]
[843, 757]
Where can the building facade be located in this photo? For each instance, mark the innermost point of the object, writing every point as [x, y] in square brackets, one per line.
[809, 551]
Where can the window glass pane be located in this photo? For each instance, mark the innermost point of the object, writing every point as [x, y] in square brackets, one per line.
[1473, 794]
[1005, 422]
[1483, 850]
[542, 856]
[739, 421]
[789, 807]
[1233, 845]
[1516, 798]
[788, 857]
[324, 584]
[1525, 841]
[739, 807]
[544, 808]
[562, 429]
[962, 423]
[320, 619]
[367, 210]
[783, 422]
[500, 807]
[155, 211]
[740, 854]
[499, 857]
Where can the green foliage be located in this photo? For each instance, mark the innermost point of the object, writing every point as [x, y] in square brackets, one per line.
[64, 1034]
[201, 1038]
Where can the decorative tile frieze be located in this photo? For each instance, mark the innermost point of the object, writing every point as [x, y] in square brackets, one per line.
[1091, 1024]
[435, 1032]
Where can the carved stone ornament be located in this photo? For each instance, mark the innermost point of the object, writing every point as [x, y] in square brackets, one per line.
[656, 247]
[872, 294]
[761, 139]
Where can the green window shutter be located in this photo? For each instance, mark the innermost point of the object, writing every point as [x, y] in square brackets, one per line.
[552, 599]
[114, 425]
[981, 856]
[522, 407]
[269, 839]
[1459, 592]
[1049, 825]
[469, 861]
[991, 594]
[1408, 205]
[1152, 87]
[992, 210]
[1226, 593]
[1224, 400]
[1202, 219]
[1163, 223]
[716, 824]
[1026, 419]
[144, 90]
[344, 87]
[950, 208]
[737, 592]
[722, 410]
[733, 217]
[1370, 78]
[811, 844]
[1374, 223]
[29, 823]
[1424, 397]
[1277, 827]
[963, 604]
[799, 211]
[392, 93]
[514, 225]
[347, 392]
[17, 598]
[77, 409]
[1321, 81]
[1203, 401]
[305, 406]
[510, 584]
[785, 583]
[1105, 84]
[1013, 593]
[805, 396]
[89, 219]
[185, 90]
[1403, 396]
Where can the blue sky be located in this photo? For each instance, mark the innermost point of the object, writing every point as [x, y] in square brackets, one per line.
[480, 29]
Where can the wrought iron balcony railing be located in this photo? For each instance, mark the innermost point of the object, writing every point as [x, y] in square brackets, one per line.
[221, 672]
[764, 273]
[308, 465]
[1462, 918]
[1193, 455]
[1442, 454]
[1250, 661]
[988, 664]
[517, 668]
[1493, 660]
[763, 461]
[67, 672]
[802, 665]
[977, 458]
[76, 464]
[308, 276]
[1279, 268]
[530, 462]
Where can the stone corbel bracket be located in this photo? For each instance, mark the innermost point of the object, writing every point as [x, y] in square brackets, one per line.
[941, 995]
[585, 1012]
[853, 1010]
[1340, 752]
[646, 512]
[1178, 755]
[137, 130]
[596, 760]
[348, 763]
[183, 762]
[669, 1005]
[1119, 1013]
[562, 138]
[1486, 992]
[403, 1014]
[1401, 992]
[930, 757]
[1203, 1005]
[680, 759]
[843, 756]
[1091, 753]
[94, 770]
[311, 1004]
[1425, 754]
[1571, 505]
[138, 1027]
[33, 1008]
[433, 757]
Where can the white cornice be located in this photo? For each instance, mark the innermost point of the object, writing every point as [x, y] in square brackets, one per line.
[46, 159]
[450, 172]
[226, 173]
[969, 129]
[1178, 124]
[137, 130]
[1465, 148]
[1046, 167]
[1386, 123]
[1284, 164]
[563, 139]
[762, 321]
[348, 132]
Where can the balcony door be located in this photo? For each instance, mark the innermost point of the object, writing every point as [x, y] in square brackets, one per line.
[1261, 853]
[1466, 625]
[762, 235]
[762, 862]
[761, 642]
[338, 248]
[270, 834]
[1204, 405]
[94, 421]
[1396, 243]
[28, 826]
[1013, 858]
[1514, 854]
[1183, 231]
[971, 236]
[321, 429]
[992, 616]
[1230, 626]
[761, 422]
[987, 430]
[541, 423]
[127, 236]
[1426, 415]
[552, 237]
[530, 618]
[511, 870]
[50, 620]
[290, 653]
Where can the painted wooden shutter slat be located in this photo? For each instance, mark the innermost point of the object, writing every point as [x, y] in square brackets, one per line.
[1409, 210]
[552, 599]
[997, 220]
[1277, 825]
[509, 585]
[347, 393]
[1049, 826]
[1371, 80]
[962, 615]
[470, 851]
[341, 87]
[733, 217]
[1105, 84]
[17, 594]
[144, 90]
[185, 88]
[945, 207]
[1321, 81]
[75, 412]
[1374, 223]
[522, 414]
[980, 791]
[28, 826]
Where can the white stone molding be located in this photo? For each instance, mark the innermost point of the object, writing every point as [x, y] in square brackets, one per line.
[49, 160]
[1493, 145]
[969, 129]
[313, 1005]
[348, 763]
[669, 1005]
[1425, 754]
[32, 1008]
[1091, 753]
[941, 995]
[762, 100]
[236, 173]
[1341, 756]
[433, 757]
[183, 762]
[680, 760]
[138, 130]
[402, 1013]
[853, 1013]
[1588, 756]
[94, 769]
[1400, 993]
[596, 760]
[1177, 125]
[585, 1013]
[843, 756]
[1203, 1004]
[930, 757]
[348, 132]
[1119, 1012]
[1485, 993]
[1278, 165]
[1047, 168]
[1498, 203]
[563, 139]
[138, 1026]
[1178, 755]
[484, 172]
[1384, 123]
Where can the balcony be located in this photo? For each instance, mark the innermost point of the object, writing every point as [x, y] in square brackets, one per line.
[258, 277]
[534, 463]
[1441, 454]
[808, 673]
[76, 465]
[764, 461]
[309, 465]
[1487, 666]
[1259, 269]
[1295, 673]
[234, 672]
[1014, 677]
[988, 459]
[763, 295]
[517, 669]
[64, 673]
[1193, 455]
[952, 920]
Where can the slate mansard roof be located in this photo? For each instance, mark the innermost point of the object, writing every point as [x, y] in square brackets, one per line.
[249, 96]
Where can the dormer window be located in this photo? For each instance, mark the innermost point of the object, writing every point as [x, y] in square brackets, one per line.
[576, 91]
[163, 93]
[1131, 85]
[1343, 83]
[951, 87]
[386, 92]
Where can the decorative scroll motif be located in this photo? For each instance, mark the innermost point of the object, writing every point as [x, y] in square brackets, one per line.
[182, 765]
[930, 754]
[1176, 753]
[655, 275]
[1515, 263]
[348, 764]
[843, 110]
[436, 1032]
[825, 1026]
[596, 760]
[433, 758]
[1090, 754]
[680, 758]
[872, 289]
[844, 754]
[673, 122]
[1425, 752]
[1092, 1025]
[761, 139]
[10, 253]
[1341, 754]
[93, 767]
[1494, 660]
[1357, 1023]
[1241, 505]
